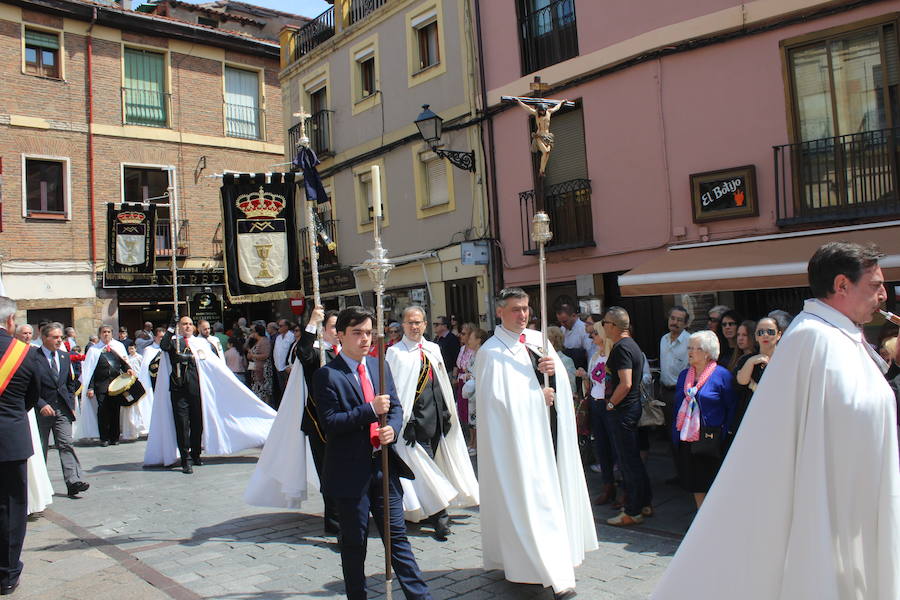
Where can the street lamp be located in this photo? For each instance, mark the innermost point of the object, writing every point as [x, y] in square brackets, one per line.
[430, 127]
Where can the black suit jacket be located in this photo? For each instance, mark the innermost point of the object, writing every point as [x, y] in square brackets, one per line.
[309, 358]
[20, 396]
[58, 392]
[347, 471]
[188, 384]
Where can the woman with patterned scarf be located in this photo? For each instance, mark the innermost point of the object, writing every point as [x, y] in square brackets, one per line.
[704, 399]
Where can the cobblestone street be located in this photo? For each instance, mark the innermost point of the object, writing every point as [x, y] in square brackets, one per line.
[154, 534]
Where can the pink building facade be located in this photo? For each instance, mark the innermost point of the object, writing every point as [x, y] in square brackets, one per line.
[786, 114]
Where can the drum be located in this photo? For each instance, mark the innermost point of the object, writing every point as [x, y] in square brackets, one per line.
[126, 389]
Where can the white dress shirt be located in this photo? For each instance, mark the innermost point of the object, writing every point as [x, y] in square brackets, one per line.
[578, 337]
[673, 358]
[283, 343]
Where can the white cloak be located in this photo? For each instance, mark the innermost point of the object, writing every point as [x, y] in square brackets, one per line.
[807, 503]
[536, 519]
[234, 419]
[40, 490]
[142, 415]
[86, 426]
[449, 479]
[285, 470]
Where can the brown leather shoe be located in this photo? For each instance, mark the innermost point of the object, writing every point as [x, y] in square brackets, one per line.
[607, 496]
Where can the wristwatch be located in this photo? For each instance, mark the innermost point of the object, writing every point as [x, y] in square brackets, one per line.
[610, 406]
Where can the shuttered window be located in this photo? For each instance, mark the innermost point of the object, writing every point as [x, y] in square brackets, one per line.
[567, 160]
[144, 92]
[437, 191]
[242, 106]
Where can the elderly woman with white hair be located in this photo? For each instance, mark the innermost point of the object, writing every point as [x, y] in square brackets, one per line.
[704, 402]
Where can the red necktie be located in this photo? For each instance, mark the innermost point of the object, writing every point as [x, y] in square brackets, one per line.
[521, 338]
[107, 348]
[369, 397]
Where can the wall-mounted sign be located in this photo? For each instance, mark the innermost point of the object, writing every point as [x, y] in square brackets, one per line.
[725, 194]
[474, 253]
[206, 306]
[163, 278]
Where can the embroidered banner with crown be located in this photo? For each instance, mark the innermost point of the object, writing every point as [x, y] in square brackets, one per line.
[131, 247]
[262, 259]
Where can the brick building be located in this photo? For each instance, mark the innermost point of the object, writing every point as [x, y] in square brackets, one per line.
[101, 105]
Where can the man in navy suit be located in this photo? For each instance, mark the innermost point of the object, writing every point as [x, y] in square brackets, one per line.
[57, 405]
[345, 390]
[19, 391]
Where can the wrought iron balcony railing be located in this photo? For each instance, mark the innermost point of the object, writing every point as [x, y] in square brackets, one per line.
[314, 33]
[568, 204]
[244, 121]
[360, 9]
[145, 107]
[164, 238]
[847, 178]
[318, 130]
[327, 258]
[548, 35]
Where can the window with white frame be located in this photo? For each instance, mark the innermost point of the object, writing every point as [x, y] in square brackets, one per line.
[145, 93]
[426, 28]
[437, 191]
[45, 186]
[42, 53]
[365, 73]
[242, 105]
[364, 182]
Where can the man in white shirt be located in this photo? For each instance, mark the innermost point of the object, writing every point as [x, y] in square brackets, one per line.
[577, 342]
[281, 355]
[673, 355]
[144, 338]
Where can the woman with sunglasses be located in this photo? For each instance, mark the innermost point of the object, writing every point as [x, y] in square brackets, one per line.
[768, 333]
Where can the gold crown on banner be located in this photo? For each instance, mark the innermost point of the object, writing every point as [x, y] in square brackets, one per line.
[131, 218]
[260, 205]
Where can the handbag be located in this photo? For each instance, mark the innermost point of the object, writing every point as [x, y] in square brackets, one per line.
[651, 409]
[710, 443]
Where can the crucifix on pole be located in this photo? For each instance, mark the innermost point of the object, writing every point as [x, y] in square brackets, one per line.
[541, 139]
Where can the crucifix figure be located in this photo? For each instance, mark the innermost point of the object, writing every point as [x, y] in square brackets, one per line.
[541, 108]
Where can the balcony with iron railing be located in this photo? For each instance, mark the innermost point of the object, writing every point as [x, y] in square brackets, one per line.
[568, 204]
[318, 130]
[851, 177]
[146, 107]
[164, 238]
[314, 33]
[360, 9]
[244, 121]
[327, 258]
[548, 35]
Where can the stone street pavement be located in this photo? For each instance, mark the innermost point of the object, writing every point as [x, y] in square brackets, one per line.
[159, 534]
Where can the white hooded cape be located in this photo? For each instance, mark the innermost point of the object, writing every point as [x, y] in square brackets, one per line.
[449, 479]
[285, 470]
[86, 426]
[142, 416]
[536, 519]
[234, 419]
[40, 490]
[807, 503]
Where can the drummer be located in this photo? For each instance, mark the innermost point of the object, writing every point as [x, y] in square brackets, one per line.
[110, 363]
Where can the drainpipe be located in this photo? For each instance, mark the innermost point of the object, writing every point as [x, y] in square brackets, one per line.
[496, 257]
[90, 144]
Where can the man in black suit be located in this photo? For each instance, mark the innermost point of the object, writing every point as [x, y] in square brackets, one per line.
[110, 364]
[349, 408]
[19, 392]
[184, 386]
[57, 405]
[306, 351]
[447, 341]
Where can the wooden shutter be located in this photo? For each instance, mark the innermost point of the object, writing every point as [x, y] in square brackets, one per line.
[145, 88]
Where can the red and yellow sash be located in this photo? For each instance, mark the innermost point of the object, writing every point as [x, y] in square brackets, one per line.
[12, 358]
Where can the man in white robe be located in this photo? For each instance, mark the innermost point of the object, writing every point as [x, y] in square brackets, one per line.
[536, 519]
[807, 503]
[150, 359]
[433, 445]
[232, 417]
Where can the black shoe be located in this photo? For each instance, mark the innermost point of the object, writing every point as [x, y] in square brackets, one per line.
[441, 533]
[114, 443]
[565, 594]
[198, 462]
[186, 467]
[9, 589]
[72, 493]
[80, 486]
[104, 444]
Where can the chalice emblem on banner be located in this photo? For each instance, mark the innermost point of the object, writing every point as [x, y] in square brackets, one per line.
[262, 248]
